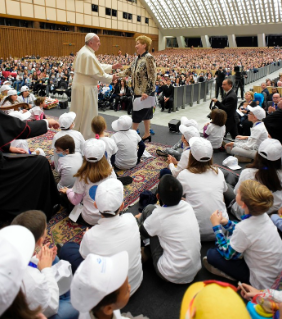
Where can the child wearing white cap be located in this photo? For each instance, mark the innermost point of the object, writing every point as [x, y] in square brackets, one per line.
[177, 149]
[174, 234]
[10, 99]
[129, 143]
[17, 246]
[187, 133]
[203, 180]
[265, 169]
[100, 286]
[94, 170]
[4, 91]
[112, 233]
[245, 147]
[39, 282]
[215, 130]
[26, 97]
[67, 123]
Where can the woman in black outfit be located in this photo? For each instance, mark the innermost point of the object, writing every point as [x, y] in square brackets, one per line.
[123, 95]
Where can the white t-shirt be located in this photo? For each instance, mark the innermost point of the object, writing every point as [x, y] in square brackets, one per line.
[249, 173]
[258, 135]
[89, 213]
[215, 134]
[41, 289]
[178, 232]
[182, 164]
[113, 235]
[67, 167]
[78, 141]
[29, 100]
[205, 194]
[258, 239]
[35, 111]
[127, 143]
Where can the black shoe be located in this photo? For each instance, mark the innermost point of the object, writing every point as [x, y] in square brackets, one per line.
[161, 153]
[56, 208]
[149, 138]
[162, 110]
[126, 180]
[169, 111]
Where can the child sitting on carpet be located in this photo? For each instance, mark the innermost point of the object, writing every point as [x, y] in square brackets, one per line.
[215, 130]
[67, 124]
[127, 141]
[255, 238]
[187, 133]
[37, 112]
[174, 234]
[69, 161]
[99, 126]
[100, 286]
[94, 170]
[114, 233]
[245, 147]
[39, 283]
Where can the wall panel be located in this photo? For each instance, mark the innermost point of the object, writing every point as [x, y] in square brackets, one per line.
[58, 43]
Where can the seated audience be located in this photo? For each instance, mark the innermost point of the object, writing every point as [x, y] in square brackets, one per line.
[272, 105]
[26, 97]
[123, 95]
[94, 170]
[215, 130]
[176, 254]
[203, 180]
[245, 147]
[10, 99]
[245, 124]
[129, 143]
[247, 255]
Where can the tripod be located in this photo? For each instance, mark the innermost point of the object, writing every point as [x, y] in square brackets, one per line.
[239, 83]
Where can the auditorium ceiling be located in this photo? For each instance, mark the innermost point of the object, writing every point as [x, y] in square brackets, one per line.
[178, 14]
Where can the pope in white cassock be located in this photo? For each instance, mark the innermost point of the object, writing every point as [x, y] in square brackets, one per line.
[88, 71]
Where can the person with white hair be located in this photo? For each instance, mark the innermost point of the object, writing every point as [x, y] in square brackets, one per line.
[88, 71]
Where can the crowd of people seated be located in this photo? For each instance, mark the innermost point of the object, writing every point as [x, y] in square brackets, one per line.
[190, 204]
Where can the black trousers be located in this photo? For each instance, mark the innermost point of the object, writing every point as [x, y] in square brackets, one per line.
[232, 129]
[218, 87]
[168, 104]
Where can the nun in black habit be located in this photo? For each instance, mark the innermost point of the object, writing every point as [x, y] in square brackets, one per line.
[26, 181]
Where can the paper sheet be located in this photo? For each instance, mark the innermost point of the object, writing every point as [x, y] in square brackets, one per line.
[240, 113]
[75, 213]
[145, 104]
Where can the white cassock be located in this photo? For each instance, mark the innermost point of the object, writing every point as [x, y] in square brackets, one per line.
[84, 96]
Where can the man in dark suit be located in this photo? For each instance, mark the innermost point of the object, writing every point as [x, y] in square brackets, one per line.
[272, 105]
[220, 76]
[229, 105]
[168, 93]
[273, 123]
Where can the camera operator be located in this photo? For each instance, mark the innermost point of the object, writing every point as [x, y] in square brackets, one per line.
[220, 76]
[240, 75]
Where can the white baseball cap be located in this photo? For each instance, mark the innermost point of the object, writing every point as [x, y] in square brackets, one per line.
[89, 36]
[258, 112]
[17, 245]
[94, 150]
[184, 121]
[189, 132]
[271, 149]
[7, 83]
[122, 124]
[201, 149]
[12, 92]
[109, 196]
[97, 277]
[24, 88]
[231, 162]
[5, 87]
[66, 120]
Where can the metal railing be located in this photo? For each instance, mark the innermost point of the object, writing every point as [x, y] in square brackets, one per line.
[187, 95]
